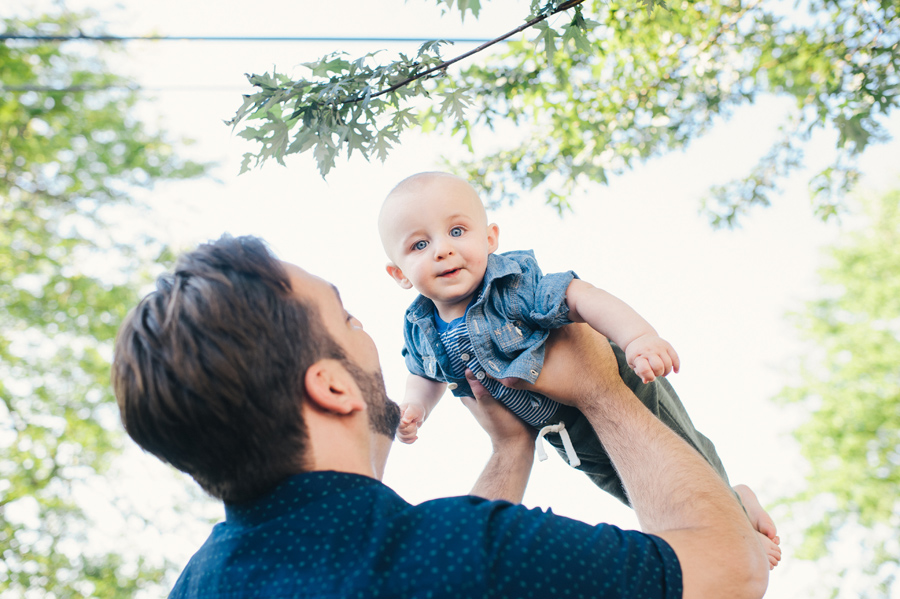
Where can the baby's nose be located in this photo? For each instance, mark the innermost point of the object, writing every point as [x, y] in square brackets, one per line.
[442, 249]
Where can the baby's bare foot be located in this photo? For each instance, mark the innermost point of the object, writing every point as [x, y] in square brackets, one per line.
[758, 516]
[773, 551]
[762, 522]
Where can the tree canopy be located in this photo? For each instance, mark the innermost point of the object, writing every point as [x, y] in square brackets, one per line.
[851, 389]
[71, 154]
[597, 85]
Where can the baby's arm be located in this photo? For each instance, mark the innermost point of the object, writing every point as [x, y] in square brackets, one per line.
[422, 395]
[649, 355]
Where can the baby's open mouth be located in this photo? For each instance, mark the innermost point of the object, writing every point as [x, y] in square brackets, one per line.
[447, 273]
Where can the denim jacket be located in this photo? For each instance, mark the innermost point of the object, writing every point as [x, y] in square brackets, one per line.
[508, 323]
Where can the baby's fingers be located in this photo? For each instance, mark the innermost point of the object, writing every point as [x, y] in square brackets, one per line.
[407, 428]
[676, 361]
[664, 365]
[643, 369]
[407, 436]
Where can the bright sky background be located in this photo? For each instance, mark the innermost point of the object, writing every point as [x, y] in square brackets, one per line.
[720, 297]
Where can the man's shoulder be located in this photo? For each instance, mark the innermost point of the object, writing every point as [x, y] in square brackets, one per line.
[472, 509]
[391, 545]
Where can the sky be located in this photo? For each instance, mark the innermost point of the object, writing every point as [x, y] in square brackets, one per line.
[720, 297]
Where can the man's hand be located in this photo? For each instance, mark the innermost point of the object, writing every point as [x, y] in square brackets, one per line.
[651, 356]
[505, 429]
[506, 474]
[412, 415]
[579, 367]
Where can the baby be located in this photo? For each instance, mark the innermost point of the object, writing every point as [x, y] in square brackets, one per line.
[491, 314]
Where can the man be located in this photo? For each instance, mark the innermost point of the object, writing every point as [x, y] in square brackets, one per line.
[248, 374]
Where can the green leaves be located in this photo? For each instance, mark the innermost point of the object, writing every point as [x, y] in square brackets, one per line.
[575, 33]
[652, 82]
[342, 106]
[547, 38]
[454, 104]
[633, 79]
[463, 6]
[66, 161]
[851, 387]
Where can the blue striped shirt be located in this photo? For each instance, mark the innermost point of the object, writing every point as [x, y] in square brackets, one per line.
[534, 408]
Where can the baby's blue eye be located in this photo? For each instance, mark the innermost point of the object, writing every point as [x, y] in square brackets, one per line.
[420, 245]
[456, 232]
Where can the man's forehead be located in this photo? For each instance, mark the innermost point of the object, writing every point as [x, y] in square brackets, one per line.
[307, 285]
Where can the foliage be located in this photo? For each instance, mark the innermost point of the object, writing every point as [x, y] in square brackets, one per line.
[851, 387]
[608, 84]
[354, 105]
[68, 159]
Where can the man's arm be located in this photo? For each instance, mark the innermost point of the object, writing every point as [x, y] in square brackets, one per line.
[506, 474]
[675, 493]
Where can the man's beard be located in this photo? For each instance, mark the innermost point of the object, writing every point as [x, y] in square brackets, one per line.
[384, 413]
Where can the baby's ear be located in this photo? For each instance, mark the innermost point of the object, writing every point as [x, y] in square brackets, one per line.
[493, 238]
[397, 274]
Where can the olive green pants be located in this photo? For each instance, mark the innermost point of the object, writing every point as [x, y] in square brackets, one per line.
[661, 399]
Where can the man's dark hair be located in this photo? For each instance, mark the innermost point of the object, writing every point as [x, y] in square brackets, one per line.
[209, 369]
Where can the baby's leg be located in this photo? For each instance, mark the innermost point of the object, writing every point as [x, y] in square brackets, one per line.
[762, 522]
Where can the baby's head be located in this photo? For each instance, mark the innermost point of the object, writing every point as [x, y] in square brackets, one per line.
[435, 232]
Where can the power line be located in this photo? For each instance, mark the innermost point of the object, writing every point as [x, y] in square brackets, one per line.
[224, 38]
[190, 38]
[44, 89]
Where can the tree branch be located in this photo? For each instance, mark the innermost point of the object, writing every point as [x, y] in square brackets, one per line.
[562, 7]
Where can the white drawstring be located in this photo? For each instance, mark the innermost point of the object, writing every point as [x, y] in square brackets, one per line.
[566, 441]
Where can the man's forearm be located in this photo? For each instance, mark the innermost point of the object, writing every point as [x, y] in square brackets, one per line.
[506, 474]
[667, 494]
[679, 497]
[675, 493]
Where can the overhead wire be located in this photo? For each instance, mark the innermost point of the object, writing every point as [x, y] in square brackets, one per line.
[226, 38]
[194, 38]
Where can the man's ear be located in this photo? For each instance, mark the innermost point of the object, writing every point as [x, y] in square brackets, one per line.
[493, 238]
[397, 274]
[331, 388]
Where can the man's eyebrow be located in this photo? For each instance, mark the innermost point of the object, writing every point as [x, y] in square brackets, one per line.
[337, 293]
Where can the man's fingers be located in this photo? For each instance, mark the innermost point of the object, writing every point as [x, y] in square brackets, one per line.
[514, 383]
[477, 388]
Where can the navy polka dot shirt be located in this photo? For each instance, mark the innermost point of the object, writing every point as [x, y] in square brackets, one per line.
[338, 535]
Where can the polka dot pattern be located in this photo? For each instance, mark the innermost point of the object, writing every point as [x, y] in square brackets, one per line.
[338, 535]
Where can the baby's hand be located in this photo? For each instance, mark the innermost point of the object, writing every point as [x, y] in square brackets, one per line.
[412, 415]
[651, 356]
